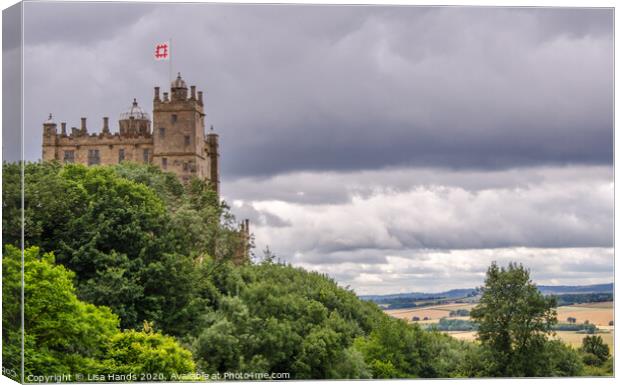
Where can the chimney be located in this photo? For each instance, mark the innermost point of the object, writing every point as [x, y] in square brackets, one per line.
[106, 128]
[63, 128]
[165, 96]
[83, 126]
[156, 96]
[193, 92]
[200, 97]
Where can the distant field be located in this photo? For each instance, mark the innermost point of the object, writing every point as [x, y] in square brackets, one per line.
[574, 339]
[593, 312]
[598, 313]
[464, 336]
[432, 312]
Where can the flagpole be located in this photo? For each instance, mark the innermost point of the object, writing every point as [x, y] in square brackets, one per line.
[170, 59]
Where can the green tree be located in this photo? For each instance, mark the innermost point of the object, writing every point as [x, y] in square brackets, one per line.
[62, 333]
[133, 235]
[145, 353]
[514, 321]
[597, 352]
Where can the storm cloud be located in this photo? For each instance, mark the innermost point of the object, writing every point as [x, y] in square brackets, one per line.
[381, 145]
[294, 88]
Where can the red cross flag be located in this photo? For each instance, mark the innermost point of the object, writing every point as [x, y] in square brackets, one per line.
[162, 51]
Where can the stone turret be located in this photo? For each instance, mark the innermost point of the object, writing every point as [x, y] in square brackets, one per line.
[179, 142]
[213, 154]
[50, 139]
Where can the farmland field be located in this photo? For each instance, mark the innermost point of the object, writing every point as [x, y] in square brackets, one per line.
[596, 313]
[599, 314]
[574, 339]
[432, 312]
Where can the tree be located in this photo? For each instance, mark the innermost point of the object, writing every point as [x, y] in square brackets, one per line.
[132, 234]
[66, 335]
[595, 346]
[145, 353]
[514, 321]
[62, 333]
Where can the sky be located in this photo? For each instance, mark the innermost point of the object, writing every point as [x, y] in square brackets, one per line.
[394, 148]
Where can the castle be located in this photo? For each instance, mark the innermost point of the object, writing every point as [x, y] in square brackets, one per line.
[177, 142]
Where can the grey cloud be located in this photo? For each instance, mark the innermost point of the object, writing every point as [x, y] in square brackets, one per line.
[544, 208]
[432, 271]
[358, 255]
[338, 187]
[257, 217]
[348, 88]
[80, 23]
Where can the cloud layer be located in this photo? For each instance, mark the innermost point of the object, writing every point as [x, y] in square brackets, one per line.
[294, 88]
[357, 226]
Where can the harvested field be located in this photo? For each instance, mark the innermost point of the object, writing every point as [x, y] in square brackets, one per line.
[408, 314]
[595, 315]
[433, 312]
[574, 339]
[464, 336]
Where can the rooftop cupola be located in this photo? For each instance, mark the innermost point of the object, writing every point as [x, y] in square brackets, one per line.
[134, 121]
[178, 89]
[134, 112]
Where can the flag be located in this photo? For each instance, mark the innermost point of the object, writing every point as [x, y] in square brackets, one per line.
[162, 51]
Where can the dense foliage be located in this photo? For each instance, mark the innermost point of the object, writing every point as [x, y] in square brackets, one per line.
[65, 335]
[129, 271]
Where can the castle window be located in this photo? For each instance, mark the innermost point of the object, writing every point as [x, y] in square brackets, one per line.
[93, 157]
[187, 140]
[185, 167]
[164, 163]
[121, 155]
[173, 118]
[69, 156]
[145, 155]
[162, 132]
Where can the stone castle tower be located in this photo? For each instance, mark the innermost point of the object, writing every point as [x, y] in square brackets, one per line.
[178, 142]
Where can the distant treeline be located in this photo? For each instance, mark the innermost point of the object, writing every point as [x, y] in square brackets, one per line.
[460, 325]
[405, 302]
[571, 299]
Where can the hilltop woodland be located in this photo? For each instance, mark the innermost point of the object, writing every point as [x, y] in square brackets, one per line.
[128, 271]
